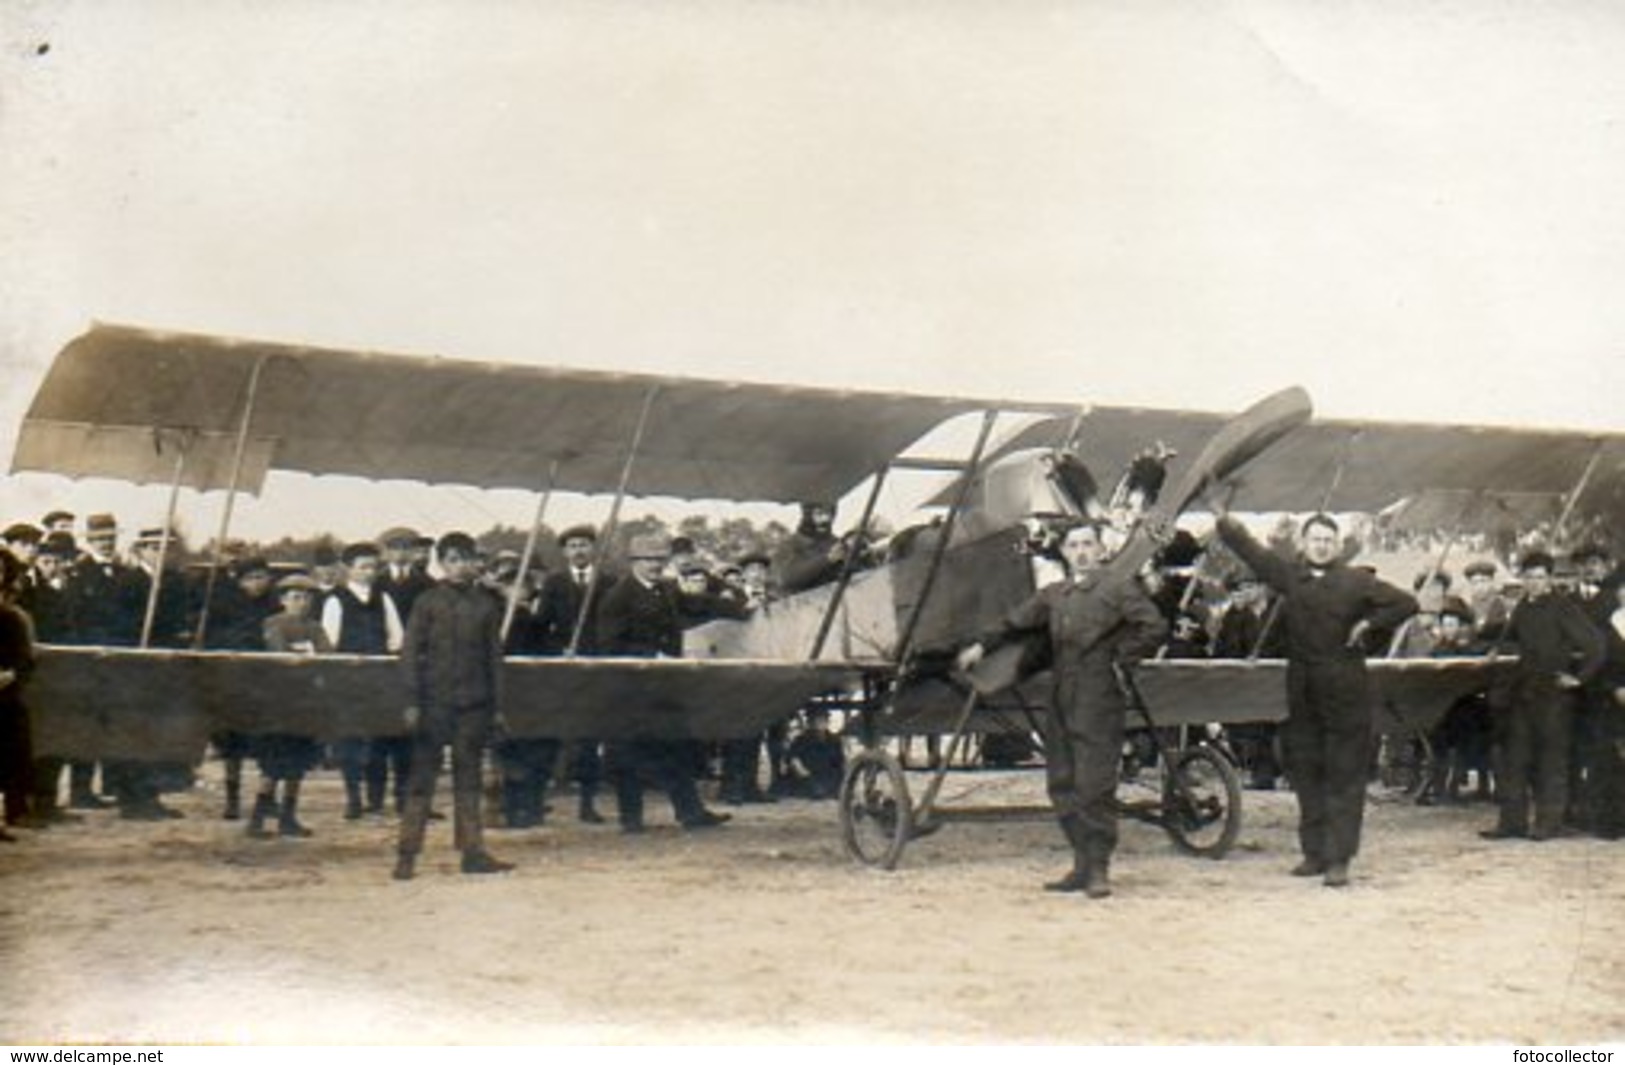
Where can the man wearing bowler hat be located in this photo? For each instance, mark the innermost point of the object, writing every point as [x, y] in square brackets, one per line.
[639, 619]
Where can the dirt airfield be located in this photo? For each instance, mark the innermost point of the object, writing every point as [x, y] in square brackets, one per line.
[764, 931]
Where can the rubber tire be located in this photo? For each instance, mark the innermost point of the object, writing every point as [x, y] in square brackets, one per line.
[1213, 766]
[888, 804]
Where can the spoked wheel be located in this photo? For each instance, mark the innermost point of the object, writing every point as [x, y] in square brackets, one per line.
[876, 813]
[1201, 802]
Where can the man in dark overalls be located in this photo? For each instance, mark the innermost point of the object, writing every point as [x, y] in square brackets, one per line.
[1327, 608]
[452, 663]
[1096, 620]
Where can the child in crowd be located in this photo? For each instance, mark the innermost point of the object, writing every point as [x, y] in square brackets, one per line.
[281, 757]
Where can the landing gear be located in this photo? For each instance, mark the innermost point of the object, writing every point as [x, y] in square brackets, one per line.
[1201, 802]
[876, 812]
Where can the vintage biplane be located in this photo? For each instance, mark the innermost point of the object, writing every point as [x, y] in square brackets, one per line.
[210, 413]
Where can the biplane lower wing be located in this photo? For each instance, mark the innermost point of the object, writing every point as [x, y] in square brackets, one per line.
[162, 706]
[1410, 693]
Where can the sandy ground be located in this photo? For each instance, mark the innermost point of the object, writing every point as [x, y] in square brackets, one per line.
[188, 931]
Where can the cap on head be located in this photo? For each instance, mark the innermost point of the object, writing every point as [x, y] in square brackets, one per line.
[354, 552]
[253, 566]
[151, 538]
[23, 533]
[459, 543]
[100, 526]
[651, 547]
[1537, 560]
[1479, 569]
[755, 558]
[296, 582]
[1592, 552]
[59, 545]
[55, 516]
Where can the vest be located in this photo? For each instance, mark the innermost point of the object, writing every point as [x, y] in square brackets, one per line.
[362, 631]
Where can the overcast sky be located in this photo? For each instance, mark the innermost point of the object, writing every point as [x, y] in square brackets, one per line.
[1412, 209]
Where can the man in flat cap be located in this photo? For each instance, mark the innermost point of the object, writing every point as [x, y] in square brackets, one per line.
[558, 625]
[1596, 584]
[53, 623]
[452, 663]
[170, 624]
[237, 613]
[23, 541]
[1559, 650]
[403, 577]
[1484, 597]
[107, 608]
[640, 619]
[58, 521]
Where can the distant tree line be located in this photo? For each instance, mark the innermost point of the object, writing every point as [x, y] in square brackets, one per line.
[723, 541]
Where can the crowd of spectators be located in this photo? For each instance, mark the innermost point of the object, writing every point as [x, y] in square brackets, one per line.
[64, 583]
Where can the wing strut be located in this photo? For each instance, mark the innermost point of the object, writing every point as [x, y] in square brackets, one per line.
[250, 399]
[1338, 470]
[847, 566]
[941, 552]
[164, 537]
[613, 519]
[1579, 487]
[530, 550]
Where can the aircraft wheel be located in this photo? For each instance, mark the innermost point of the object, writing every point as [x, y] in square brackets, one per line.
[1201, 803]
[876, 812]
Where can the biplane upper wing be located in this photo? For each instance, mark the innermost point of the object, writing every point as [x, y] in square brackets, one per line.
[212, 413]
[119, 402]
[1369, 465]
